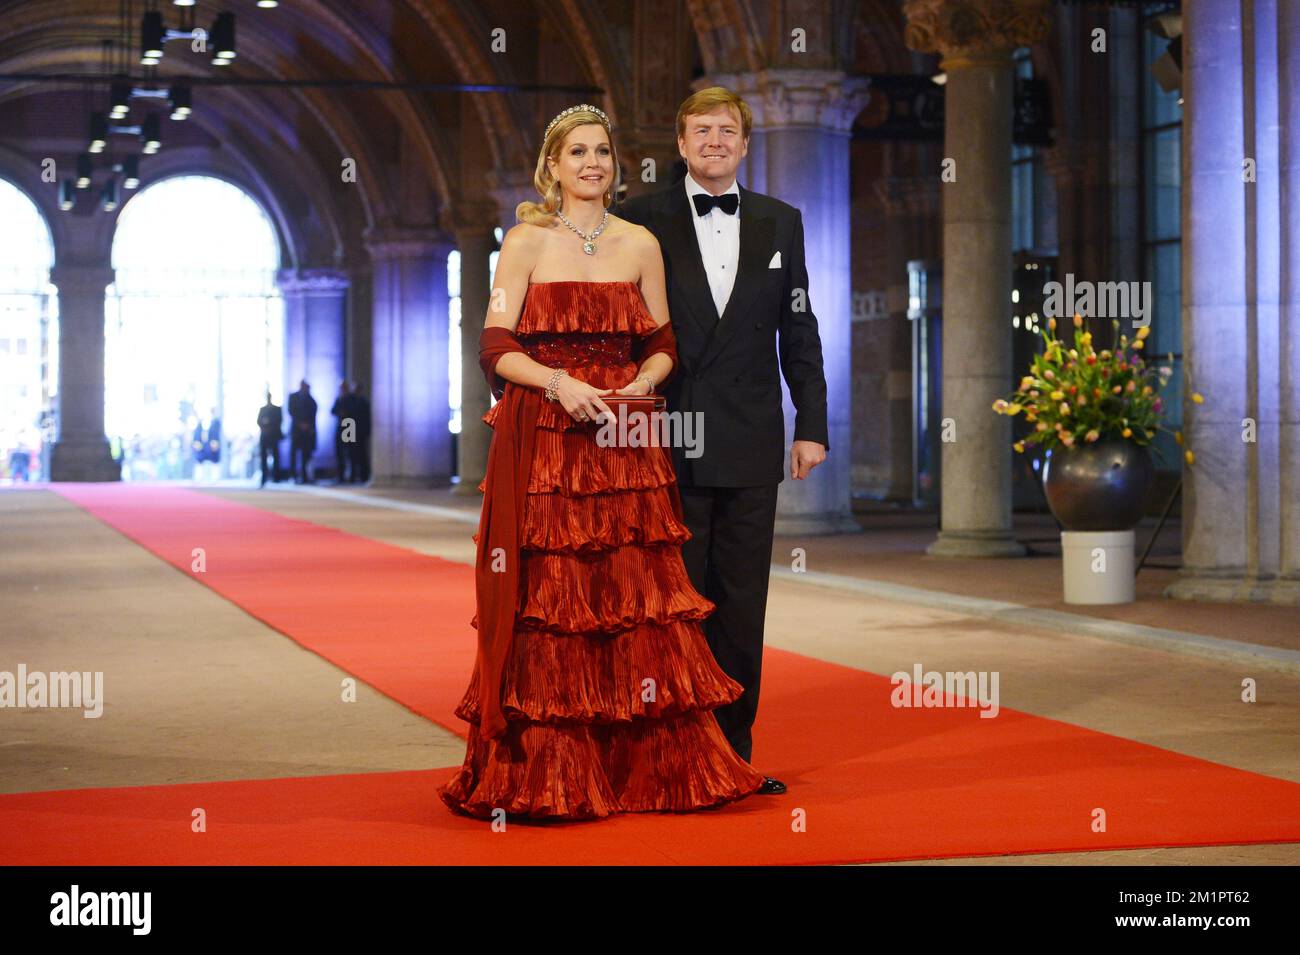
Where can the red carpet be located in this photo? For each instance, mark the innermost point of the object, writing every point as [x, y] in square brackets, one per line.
[873, 782]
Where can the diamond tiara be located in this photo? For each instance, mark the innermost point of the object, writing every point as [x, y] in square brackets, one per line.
[581, 107]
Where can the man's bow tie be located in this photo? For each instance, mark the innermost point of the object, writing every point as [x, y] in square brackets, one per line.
[728, 203]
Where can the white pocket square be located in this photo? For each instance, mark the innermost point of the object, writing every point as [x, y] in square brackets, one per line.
[776, 261]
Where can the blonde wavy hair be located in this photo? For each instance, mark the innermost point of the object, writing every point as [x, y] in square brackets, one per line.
[548, 187]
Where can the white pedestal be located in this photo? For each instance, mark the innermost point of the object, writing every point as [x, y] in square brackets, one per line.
[1098, 566]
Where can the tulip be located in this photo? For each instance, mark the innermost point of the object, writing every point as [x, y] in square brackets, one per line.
[1178, 437]
[1020, 447]
[1127, 432]
[1092, 435]
[1143, 332]
[1078, 320]
[1058, 395]
[1189, 457]
[1051, 323]
[1197, 398]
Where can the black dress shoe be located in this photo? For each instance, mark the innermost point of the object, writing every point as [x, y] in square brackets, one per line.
[771, 787]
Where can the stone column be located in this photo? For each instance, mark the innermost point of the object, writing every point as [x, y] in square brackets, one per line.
[800, 114]
[1287, 589]
[315, 346]
[1218, 292]
[81, 451]
[410, 444]
[472, 222]
[976, 39]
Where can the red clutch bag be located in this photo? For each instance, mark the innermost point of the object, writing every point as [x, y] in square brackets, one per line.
[634, 403]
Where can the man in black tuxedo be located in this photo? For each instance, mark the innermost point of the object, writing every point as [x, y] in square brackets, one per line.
[270, 423]
[302, 437]
[738, 298]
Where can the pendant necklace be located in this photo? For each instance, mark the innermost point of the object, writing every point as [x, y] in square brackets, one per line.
[588, 239]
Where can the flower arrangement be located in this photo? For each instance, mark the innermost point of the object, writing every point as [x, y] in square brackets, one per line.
[1079, 395]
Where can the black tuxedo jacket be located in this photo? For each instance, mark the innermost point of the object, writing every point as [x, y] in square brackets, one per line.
[728, 367]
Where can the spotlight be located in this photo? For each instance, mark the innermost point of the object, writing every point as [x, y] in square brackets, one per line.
[131, 172]
[98, 133]
[150, 135]
[183, 3]
[85, 169]
[222, 37]
[121, 99]
[151, 37]
[179, 97]
[108, 197]
[268, 4]
[67, 194]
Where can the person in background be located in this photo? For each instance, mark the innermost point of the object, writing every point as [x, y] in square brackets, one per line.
[360, 448]
[302, 438]
[344, 411]
[198, 449]
[212, 444]
[270, 422]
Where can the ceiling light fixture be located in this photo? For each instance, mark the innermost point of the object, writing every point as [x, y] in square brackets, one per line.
[151, 37]
[85, 169]
[98, 133]
[150, 135]
[180, 99]
[131, 172]
[120, 100]
[222, 38]
[108, 197]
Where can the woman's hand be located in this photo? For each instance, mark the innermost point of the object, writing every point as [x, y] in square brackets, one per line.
[638, 387]
[580, 399]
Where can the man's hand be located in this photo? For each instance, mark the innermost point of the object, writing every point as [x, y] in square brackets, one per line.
[804, 456]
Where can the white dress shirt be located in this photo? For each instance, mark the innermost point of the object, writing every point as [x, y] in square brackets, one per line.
[718, 235]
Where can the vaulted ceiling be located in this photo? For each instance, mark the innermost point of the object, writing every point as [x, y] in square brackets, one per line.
[415, 152]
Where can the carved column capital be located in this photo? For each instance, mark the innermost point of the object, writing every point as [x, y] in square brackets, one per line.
[405, 242]
[829, 99]
[312, 281]
[76, 279]
[970, 33]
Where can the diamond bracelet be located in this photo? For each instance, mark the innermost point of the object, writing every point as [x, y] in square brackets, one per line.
[551, 394]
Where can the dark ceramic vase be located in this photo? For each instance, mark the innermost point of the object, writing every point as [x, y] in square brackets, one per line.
[1099, 487]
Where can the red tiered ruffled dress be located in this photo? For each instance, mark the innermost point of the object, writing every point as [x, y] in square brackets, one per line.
[609, 682]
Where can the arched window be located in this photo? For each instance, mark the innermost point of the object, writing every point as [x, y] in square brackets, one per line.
[29, 339]
[195, 330]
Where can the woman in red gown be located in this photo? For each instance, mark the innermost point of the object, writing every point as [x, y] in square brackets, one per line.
[594, 685]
